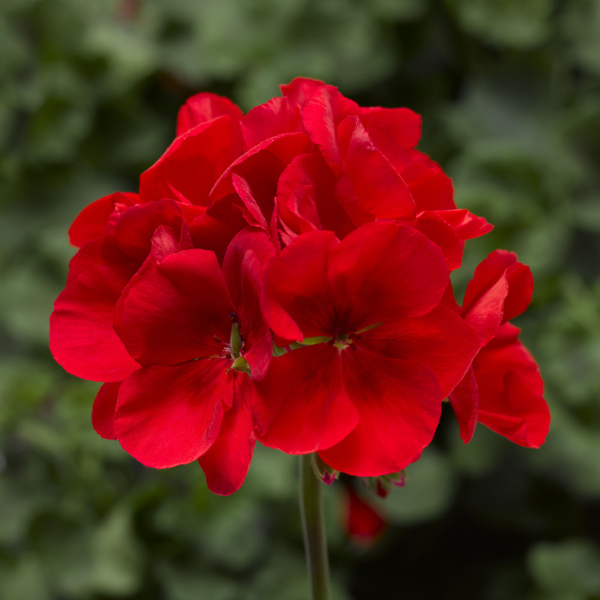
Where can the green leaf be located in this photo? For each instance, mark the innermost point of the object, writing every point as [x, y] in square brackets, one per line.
[571, 567]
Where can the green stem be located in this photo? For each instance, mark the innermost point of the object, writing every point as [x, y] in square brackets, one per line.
[313, 526]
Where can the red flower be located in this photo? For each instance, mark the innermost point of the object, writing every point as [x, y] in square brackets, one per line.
[120, 233]
[149, 294]
[197, 341]
[369, 399]
[361, 166]
[503, 389]
[363, 523]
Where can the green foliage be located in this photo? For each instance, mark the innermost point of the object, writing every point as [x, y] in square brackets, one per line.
[570, 569]
[510, 95]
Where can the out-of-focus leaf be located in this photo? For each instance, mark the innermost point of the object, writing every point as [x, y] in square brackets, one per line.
[181, 585]
[23, 580]
[506, 22]
[117, 555]
[580, 26]
[571, 567]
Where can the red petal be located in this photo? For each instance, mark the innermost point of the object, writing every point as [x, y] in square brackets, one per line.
[306, 197]
[301, 90]
[227, 461]
[382, 272]
[214, 229]
[466, 225]
[174, 310]
[520, 291]
[429, 186]
[284, 147]
[379, 273]
[205, 107]
[258, 341]
[253, 213]
[465, 403]
[296, 300]
[449, 300]
[511, 400]
[103, 411]
[192, 163]
[88, 256]
[321, 117]
[401, 124]
[248, 239]
[296, 194]
[82, 338]
[501, 288]
[165, 241]
[301, 405]
[136, 227]
[441, 233]
[380, 191]
[90, 224]
[266, 121]
[440, 340]
[399, 404]
[168, 416]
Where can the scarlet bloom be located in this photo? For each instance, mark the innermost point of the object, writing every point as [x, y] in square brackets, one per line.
[178, 292]
[503, 389]
[198, 340]
[368, 396]
[362, 521]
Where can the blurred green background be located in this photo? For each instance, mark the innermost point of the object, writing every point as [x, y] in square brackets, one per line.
[510, 95]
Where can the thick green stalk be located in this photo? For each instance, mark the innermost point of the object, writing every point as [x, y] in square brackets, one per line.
[313, 526]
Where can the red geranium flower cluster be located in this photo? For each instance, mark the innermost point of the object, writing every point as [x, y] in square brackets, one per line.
[284, 276]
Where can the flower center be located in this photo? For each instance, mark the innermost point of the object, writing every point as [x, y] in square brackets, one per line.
[236, 346]
[344, 340]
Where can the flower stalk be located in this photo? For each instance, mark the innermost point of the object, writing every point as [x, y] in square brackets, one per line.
[313, 527]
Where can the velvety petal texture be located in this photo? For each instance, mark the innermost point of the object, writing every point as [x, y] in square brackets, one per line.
[82, 338]
[96, 219]
[511, 400]
[192, 164]
[168, 416]
[174, 311]
[302, 405]
[449, 357]
[227, 461]
[399, 406]
[103, 411]
[205, 107]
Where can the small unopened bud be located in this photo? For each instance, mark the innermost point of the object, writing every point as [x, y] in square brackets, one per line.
[383, 485]
[397, 479]
[323, 471]
[377, 486]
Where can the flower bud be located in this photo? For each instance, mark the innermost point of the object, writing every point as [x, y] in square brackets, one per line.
[323, 471]
[363, 522]
[383, 485]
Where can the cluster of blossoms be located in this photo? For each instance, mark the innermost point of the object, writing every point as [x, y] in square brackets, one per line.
[283, 276]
